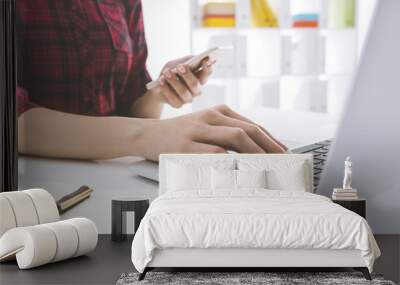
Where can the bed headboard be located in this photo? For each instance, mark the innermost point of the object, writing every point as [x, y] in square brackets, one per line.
[208, 159]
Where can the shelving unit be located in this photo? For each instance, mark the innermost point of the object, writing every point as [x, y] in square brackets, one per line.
[300, 69]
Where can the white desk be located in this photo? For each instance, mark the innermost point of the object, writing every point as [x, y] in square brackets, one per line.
[107, 178]
[113, 178]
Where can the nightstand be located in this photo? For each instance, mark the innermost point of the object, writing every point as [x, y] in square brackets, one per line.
[358, 206]
[119, 207]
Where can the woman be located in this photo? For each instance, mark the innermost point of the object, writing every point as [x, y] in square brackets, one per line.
[81, 93]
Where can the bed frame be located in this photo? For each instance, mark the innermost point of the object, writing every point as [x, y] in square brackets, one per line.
[248, 259]
[260, 259]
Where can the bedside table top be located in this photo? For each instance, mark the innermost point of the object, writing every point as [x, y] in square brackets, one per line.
[349, 200]
[130, 199]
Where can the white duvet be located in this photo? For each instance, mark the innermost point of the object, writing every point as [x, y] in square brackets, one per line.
[252, 218]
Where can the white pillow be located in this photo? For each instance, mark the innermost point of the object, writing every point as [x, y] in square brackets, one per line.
[251, 178]
[193, 175]
[288, 178]
[181, 177]
[284, 171]
[223, 179]
[236, 179]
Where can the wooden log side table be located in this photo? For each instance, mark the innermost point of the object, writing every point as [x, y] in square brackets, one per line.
[119, 207]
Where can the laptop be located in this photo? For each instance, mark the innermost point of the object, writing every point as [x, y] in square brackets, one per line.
[369, 129]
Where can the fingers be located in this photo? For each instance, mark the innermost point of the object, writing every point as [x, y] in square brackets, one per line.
[191, 81]
[182, 82]
[254, 132]
[206, 71]
[230, 113]
[284, 147]
[263, 140]
[182, 92]
[231, 138]
[169, 94]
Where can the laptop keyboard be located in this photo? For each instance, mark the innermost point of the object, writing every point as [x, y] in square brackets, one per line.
[320, 152]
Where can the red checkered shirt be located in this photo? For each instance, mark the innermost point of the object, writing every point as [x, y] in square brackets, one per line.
[81, 56]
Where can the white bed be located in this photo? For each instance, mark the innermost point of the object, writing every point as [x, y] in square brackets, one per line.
[248, 227]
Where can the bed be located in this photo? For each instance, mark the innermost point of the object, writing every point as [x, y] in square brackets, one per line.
[246, 211]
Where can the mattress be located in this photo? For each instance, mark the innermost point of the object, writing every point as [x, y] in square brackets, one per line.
[251, 219]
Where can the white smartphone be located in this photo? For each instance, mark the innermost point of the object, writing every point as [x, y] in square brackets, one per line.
[193, 63]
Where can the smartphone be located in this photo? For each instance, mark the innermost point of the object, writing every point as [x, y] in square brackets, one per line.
[194, 64]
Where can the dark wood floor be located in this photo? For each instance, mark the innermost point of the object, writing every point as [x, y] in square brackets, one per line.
[389, 262]
[103, 266]
[110, 260]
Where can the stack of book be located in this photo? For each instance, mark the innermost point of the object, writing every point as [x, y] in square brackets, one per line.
[262, 15]
[309, 20]
[219, 14]
[344, 194]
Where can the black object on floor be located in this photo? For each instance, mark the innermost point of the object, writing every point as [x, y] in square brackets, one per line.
[119, 207]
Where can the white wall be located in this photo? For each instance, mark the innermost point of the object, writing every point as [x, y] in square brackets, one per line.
[167, 27]
[168, 34]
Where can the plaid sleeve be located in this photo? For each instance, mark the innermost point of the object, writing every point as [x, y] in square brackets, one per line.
[22, 97]
[138, 75]
[23, 102]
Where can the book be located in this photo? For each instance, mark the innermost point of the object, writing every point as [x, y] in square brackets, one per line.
[219, 14]
[262, 15]
[219, 8]
[210, 21]
[73, 199]
[309, 20]
[345, 198]
[350, 7]
[305, 24]
[313, 17]
[341, 190]
[341, 13]
[345, 194]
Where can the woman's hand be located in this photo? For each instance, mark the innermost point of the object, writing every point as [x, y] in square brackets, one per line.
[178, 85]
[215, 130]
[50, 133]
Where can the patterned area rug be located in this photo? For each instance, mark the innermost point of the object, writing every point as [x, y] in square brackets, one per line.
[268, 278]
